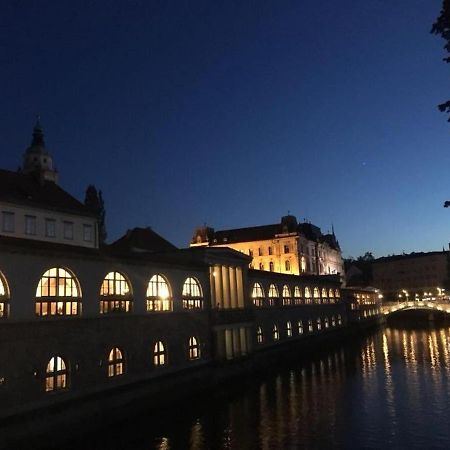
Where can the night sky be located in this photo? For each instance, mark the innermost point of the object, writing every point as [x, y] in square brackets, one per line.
[234, 113]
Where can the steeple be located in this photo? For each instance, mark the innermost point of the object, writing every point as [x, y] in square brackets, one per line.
[37, 159]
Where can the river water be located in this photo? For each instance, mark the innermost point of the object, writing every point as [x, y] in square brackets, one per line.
[388, 389]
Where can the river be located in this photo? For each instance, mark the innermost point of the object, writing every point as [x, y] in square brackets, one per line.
[387, 389]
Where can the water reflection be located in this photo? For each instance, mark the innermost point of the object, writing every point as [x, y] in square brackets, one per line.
[389, 389]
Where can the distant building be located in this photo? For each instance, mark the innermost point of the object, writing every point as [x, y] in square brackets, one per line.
[416, 275]
[286, 247]
[33, 206]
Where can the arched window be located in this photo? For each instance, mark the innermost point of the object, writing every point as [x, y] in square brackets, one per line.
[297, 295]
[194, 348]
[56, 375]
[115, 294]
[324, 293]
[258, 295]
[339, 318]
[287, 266]
[275, 333]
[115, 362]
[259, 335]
[330, 293]
[286, 295]
[261, 266]
[4, 297]
[308, 296]
[192, 294]
[316, 293]
[58, 293]
[158, 294]
[159, 354]
[271, 266]
[300, 327]
[337, 293]
[273, 293]
[310, 326]
[327, 323]
[289, 328]
[319, 324]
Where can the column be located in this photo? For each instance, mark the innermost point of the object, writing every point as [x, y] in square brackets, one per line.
[212, 285]
[218, 287]
[233, 287]
[240, 287]
[226, 287]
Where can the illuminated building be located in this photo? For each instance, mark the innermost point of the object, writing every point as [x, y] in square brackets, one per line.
[287, 247]
[412, 276]
[81, 321]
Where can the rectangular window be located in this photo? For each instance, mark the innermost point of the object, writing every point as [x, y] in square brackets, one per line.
[68, 230]
[286, 249]
[250, 252]
[259, 252]
[50, 228]
[8, 222]
[30, 225]
[270, 250]
[87, 233]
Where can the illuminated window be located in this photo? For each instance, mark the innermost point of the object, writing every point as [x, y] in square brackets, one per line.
[271, 266]
[303, 264]
[337, 294]
[259, 335]
[339, 318]
[308, 295]
[287, 266]
[194, 348]
[333, 321]
[300, 327]
[316, 293]
[158, 294]
[286, 295]
[192, 294]
[310, 326]
[115, 294]
[297, 295]
[327, 323]
[4, 298]
[115, 363]
[273, 293]
[275, 333]
[324, 293]
[56, 375]
[319, 324]
[159, 354]
[289, 329]
[330, 293]
[257, 295]
[58, 294]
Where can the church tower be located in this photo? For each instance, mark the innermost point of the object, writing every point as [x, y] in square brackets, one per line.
[37, 159]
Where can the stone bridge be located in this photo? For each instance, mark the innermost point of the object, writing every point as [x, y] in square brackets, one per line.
[428, 305]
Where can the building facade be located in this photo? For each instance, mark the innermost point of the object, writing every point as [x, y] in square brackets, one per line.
[84, 321]
[415, 276]
[288, 247]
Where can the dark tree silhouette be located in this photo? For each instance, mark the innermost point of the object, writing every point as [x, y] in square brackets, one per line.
[442, 27]
[94, 201]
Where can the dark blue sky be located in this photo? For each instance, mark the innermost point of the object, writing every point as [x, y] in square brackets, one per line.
[232, 113]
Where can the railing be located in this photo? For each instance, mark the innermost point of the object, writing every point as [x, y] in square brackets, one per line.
[391, 307]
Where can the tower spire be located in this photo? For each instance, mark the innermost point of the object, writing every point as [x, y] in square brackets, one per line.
[38, 134]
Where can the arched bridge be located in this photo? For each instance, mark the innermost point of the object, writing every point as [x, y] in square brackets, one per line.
[440, 306]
